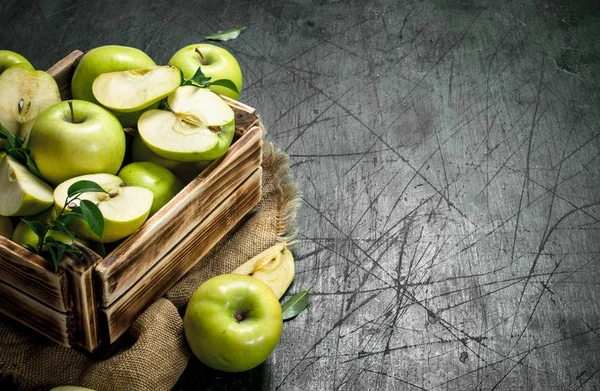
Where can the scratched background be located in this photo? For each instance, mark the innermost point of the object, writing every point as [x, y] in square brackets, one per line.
[447, 152]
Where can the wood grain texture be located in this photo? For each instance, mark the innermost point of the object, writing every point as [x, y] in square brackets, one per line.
[125, 266]
[173, 265]
[32, 275]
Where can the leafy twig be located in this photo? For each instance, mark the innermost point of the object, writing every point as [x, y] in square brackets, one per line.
[201, 80]
[14, 147]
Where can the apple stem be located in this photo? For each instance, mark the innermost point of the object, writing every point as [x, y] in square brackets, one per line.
[202, 59]
[239, 317]
[72, 112]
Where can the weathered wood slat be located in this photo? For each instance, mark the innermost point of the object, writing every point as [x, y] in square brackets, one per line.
[34, 314]
[123, 267]
[32, 275]
[83, 317]
[120, 315]
[62, 72]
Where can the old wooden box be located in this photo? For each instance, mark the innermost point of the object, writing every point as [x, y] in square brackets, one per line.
[91, 302]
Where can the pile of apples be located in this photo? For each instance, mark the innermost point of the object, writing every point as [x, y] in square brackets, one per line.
[181, 128]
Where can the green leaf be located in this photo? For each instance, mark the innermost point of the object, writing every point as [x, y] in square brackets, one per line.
[38, 228]
[199, 79]
[295, 305]
[30, 248]
[226, 35]
[93, 216]
[12, 140]
[84, 186]
[14, 147]
[56, 250]
[225, 83]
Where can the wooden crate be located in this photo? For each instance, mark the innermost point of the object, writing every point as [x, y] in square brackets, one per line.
[92, 301]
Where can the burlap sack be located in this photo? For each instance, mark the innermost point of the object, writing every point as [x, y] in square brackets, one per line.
[153, 353]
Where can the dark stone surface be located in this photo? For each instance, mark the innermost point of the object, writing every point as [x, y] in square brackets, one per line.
[447, 152]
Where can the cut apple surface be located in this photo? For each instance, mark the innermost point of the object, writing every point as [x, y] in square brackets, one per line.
[23, 194]
[23, 95]
[200, 126]
[134, 90]
[124, 208]
[274, 266]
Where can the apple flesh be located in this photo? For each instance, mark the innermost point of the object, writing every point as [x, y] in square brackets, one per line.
[214, 61]
[23, 194]
[274, 266]
[133, 90]
[124, 209]
[11, 59]
[186, 171]
[233, 322]
[87, 140]
[199, 127]
[162, 182]
[104, 59]
[24, 94]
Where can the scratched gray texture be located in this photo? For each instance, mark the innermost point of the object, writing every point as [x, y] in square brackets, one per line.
[447, 152]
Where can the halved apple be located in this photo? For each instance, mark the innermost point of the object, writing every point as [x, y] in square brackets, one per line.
[136, 89]
[200, 126]
[186, 171]
[23, 194]
[23, 95]
[274, 266]
[6, 227]
[124, 209]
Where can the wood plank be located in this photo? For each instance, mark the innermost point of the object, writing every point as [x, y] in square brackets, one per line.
[33, 314]
[32, 275]
[62, 72]
[119, 316]
[83, 322]
[123, 267]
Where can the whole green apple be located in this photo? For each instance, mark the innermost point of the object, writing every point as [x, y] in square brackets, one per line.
[74, 138]
[214, 62]
[186, 171]
[162, 182]
[233, 322]
[11, 59]
[104, 59]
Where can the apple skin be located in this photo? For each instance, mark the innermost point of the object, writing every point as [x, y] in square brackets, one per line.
[162, 182]
[186, 171]
[221, 341]
[104, 59]
[220, 64]
[11, 59]
[61, 149]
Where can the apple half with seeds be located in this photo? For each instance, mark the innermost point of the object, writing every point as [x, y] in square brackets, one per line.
[199, 126]
[124, 208]
[24, 94]
[133, 90]
[23, 194]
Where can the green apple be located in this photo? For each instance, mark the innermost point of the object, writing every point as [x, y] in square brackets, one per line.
[23, 194]
[104, 59]
[70, 388]
[124, 208]
[200, 126]
[134, 90]
[233, 322]
[214, 61]
[162, 182]
[74, 138]
[23, 95]
[6, 227]
[274, 266]
[11, 59]
[186, 171]
[23, 235]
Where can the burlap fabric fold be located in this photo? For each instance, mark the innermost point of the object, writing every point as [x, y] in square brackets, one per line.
[153, 353]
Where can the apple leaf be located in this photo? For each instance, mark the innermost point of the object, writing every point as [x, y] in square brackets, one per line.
[225, 83]
[199, 79]
[295, 305]
[226, 35]
[84, 186]
[93, 216]
[14, 147]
